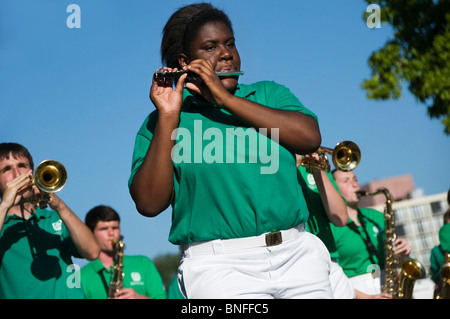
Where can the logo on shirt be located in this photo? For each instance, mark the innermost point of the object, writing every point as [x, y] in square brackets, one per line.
[136, 277]
[57, 226]
[375, 230]
[311, 181]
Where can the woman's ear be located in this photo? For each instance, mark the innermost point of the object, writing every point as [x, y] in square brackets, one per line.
[183, 60]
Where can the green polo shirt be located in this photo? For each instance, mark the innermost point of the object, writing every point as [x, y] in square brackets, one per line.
[36, 258]
[318, 222]
[438, 252]
[230, 181]
[140, 273]
[173, 291]
[354, 257]
[437, 258]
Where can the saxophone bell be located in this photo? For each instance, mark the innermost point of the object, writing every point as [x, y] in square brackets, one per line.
[443, 287]
[411, 270]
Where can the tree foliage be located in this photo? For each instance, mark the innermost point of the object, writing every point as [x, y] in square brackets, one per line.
[418, 53]
[167, 265]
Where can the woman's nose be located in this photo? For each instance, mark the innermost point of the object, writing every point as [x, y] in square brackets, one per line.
[225, 53]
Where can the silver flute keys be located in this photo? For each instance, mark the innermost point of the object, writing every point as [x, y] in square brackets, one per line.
[191, 76]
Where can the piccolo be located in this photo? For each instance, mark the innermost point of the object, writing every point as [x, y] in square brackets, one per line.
[191, 75]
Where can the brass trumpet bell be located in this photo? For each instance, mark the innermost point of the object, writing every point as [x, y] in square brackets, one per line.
[345, 156]
[50, 176]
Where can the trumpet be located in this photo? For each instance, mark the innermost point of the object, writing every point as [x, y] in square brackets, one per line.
[50, 176]
[346, 156]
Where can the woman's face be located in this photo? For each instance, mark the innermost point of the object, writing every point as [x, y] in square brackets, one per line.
[215, 43]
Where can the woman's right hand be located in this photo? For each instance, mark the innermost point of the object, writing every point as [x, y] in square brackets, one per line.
[166, 99]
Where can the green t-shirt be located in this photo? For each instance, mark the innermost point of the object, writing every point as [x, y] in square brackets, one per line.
[139, 272]
[354, 257]
[230, 181]
[436, 261]
[438, 252]
[173, 291]
[318, 222]
[36, 258]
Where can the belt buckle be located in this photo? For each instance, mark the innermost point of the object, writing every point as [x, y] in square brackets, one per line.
[273, 239]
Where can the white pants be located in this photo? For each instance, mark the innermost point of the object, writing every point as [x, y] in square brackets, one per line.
[299, 267]
[367, 283]
[340, 284]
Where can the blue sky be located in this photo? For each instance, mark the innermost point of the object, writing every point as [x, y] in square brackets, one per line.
[79, 95]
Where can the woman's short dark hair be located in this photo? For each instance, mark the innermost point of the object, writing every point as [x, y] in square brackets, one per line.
[100, 213]
[16, 150]
[183, 26]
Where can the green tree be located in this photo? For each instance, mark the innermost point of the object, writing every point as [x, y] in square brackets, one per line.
[418, 53]
[167, 265]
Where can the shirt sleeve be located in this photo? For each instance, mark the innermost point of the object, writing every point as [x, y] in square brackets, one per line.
[142, 143]
[281, 97]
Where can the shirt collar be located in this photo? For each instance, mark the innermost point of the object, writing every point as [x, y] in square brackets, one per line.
[98, 266]
[38, 214]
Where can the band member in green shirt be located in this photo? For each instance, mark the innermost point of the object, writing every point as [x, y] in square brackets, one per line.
[361, 242]
[438, 252]
[37, 244]
[141, 279]
[222, 154]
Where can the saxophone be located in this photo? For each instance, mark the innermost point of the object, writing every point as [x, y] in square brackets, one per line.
[444, 281]
[116, 281]
[399, 285]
